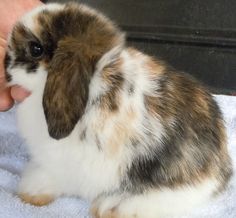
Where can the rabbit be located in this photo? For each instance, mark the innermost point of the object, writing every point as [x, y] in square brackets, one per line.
[109, 123]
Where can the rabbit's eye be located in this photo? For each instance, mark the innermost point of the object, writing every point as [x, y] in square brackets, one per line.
[35, 49]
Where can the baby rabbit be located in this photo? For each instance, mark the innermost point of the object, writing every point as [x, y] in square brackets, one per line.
[108, 123]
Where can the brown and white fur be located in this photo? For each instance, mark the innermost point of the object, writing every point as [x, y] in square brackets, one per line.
[108, 123]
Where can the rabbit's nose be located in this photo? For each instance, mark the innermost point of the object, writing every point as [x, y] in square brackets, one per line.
[8, 76]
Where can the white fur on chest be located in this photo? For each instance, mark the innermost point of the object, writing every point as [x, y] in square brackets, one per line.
[76, 168]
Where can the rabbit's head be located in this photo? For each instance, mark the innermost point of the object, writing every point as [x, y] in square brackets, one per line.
[57, 49]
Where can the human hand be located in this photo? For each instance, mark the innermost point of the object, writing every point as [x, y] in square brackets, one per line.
[10, 12]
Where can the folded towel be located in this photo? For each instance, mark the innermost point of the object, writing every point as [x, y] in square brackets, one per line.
[13, 157]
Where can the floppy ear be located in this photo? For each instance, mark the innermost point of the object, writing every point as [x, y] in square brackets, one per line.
[66, 90]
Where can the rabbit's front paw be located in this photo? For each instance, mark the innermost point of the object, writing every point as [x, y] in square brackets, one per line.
[36, 187]
[37, 200]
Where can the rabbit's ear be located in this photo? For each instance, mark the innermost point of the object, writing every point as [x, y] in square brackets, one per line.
[66, 90]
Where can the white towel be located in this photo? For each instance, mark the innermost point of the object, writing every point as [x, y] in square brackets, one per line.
[13, 157]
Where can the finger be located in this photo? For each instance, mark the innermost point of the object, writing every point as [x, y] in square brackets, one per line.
[19, 94]
[3, 42]
[6, 102]
[2, 56]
